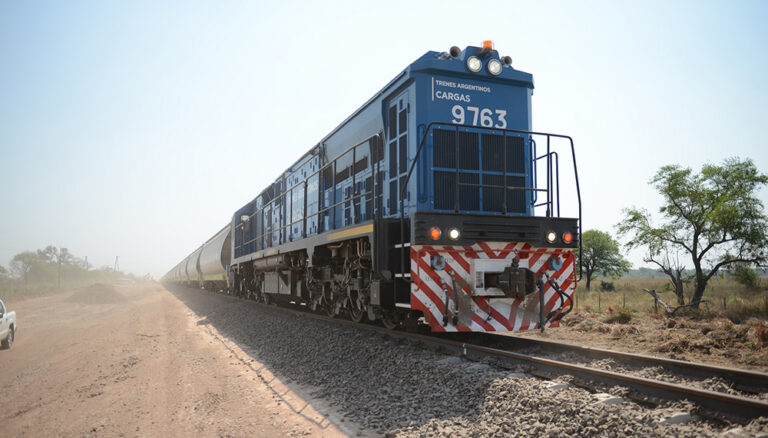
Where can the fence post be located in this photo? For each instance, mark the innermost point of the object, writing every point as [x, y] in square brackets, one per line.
[625, 300]
[724, 303]
[655, 306]
[598, 302]
[576, 299]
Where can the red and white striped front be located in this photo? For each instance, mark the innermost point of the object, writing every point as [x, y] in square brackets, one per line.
[488, 313]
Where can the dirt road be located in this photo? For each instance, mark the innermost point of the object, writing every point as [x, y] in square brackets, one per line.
[134, 360]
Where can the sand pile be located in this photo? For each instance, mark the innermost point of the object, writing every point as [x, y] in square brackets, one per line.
[98, 293]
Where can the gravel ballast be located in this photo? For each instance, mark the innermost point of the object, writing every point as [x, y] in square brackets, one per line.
[389, 387]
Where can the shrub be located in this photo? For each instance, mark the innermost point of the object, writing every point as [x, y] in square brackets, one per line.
[745, 275]
[621, 315]
[607, 286]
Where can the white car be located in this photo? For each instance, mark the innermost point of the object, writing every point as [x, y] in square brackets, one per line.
[8, 327]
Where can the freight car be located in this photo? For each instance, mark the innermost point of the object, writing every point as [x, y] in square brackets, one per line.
[434, 203]
[207, 267]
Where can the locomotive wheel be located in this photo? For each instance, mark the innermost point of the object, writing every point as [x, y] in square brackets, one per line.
[356, 314]
[389, 323]
[356, 307]
[390, 320]
[330, 308]
[330, 305]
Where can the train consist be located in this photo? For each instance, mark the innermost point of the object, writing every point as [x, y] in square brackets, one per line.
[434, 203]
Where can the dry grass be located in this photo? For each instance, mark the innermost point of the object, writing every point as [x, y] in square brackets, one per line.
[11, 291]
[760, 333]
[726, 297]
[16, 289]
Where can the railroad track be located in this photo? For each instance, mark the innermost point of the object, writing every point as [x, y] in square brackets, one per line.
[506, 351]
[745, 381]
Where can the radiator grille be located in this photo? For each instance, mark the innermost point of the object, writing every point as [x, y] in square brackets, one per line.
[481, 161]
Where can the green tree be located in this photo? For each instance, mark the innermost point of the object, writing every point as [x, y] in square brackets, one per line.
[714, 216]
[601, 255]
[744, 274]
[56, 256]
[3, 273]
[22, 263]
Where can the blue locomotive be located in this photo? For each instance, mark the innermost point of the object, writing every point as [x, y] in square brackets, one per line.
[419, 208]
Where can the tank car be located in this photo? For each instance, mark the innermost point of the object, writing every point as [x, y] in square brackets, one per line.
[208, 265]
[434, 203]
[214, 261]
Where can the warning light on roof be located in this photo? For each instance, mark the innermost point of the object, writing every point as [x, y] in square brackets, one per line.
[487, 45]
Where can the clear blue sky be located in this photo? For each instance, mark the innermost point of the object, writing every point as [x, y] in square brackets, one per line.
[136, 128]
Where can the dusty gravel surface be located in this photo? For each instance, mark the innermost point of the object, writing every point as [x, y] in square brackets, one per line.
[134, 360]
[392, 388]
[194, 363]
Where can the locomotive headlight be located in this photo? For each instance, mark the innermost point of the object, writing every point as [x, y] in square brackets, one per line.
[474, 64]
[494, 67]
[551, 236]
[454, 233]
[435, 233]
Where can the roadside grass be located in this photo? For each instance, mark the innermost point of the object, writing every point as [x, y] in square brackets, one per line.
[726, 298]
[11, 290]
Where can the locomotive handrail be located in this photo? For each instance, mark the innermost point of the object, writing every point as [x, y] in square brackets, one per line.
[535, 175]
[549, 176]
[279, 229]
[505, 131]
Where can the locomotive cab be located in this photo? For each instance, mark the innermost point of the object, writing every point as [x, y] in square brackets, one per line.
[479, 253]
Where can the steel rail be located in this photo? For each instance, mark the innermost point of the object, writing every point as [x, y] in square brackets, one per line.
[743, 380]
[718, 404]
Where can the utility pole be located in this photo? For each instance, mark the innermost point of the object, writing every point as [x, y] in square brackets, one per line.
[86, 263]
[117, 264]
[60, 255]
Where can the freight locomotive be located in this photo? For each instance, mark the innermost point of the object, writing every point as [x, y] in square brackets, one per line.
[434, 203]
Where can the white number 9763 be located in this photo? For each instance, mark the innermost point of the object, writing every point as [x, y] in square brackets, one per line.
[484, 115]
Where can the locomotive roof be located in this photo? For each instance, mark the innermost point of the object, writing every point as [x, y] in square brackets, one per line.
[439, 61]
[431, 61]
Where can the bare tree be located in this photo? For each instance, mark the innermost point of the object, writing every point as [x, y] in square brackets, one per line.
[673, 269]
